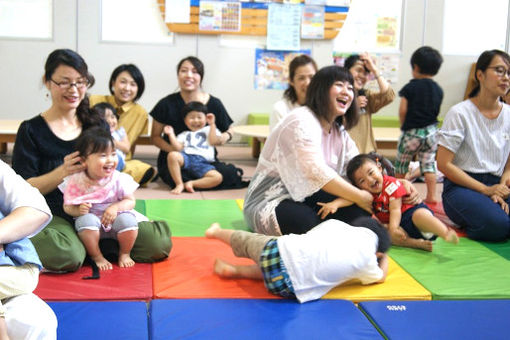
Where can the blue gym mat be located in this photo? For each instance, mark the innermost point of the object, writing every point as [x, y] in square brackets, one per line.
[449, 319]
[101, 320]
[258, 319]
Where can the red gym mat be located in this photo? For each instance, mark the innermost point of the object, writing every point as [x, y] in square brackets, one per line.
[118, 284]
[188, 273]
[441, 215]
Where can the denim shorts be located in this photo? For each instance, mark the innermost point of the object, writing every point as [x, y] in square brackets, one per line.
[197, 166]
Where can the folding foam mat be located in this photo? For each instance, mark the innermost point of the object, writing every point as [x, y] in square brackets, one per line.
[398, 285]
[118, 284]
[193, 217]
[468, 270]
[500, 248]
[258, 319]
[469, 319]
[240, 203]
[188, 273]
[101, 320]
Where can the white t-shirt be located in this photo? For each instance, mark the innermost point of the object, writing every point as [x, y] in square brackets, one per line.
[328, 255]
[281, 109]
[196, 143]
[480, 145]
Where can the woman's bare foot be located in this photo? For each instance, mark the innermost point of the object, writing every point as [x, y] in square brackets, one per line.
[189, 186]
[451, 236]
[125, 261]
[416, 243]
[224, 269]
[211, 231]
[102, 263]
[178, 189]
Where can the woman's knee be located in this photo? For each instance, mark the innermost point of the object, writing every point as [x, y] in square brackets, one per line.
[496, 228]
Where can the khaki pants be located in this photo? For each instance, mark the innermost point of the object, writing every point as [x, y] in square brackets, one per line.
[17, 280]
[249, 245]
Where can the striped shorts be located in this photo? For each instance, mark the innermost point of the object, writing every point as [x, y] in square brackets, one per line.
[276, 278]
[420, 142]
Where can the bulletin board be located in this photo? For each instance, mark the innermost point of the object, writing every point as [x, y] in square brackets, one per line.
[254, 20]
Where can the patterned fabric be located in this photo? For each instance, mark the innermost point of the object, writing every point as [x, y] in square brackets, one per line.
[421, 142]
[275, 274]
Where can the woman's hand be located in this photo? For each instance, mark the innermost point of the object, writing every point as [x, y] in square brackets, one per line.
[368, 62]
[72, 164]
[498, 200]
[413, 196]
[362, 101]
[365, 201]
[500, 190]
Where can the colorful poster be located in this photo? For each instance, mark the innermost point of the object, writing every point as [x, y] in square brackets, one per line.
[272, 68]
[312, 22]
[220, 16]
[283, 27]
[387, 28]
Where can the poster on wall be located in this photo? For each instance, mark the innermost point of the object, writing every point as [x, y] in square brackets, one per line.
[387, 32]
[272, 68]
[219, 16]
[283, 27]
[312, 22]
[387, 65]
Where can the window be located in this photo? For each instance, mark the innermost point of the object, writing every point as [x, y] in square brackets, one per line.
[32, 19]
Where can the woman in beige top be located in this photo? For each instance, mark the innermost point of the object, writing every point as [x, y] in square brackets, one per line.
[369, 102]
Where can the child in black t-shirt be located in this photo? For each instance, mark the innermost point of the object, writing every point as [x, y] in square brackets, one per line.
[419, 107]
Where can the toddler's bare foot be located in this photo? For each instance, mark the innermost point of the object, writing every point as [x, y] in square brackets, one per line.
[451, 236]
[224, 269]
[125, 261]
[102, 263]
[178, 189]
[189, 186]
[211, 231]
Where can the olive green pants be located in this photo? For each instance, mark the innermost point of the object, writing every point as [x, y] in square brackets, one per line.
[60, 248]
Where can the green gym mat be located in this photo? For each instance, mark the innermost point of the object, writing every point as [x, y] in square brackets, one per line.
[500, 248]
[193, 217]
[468, 270]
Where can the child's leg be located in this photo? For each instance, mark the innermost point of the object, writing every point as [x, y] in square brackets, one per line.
[410, 242]
[427, 158]
[211, 179]
[175, 161]
[430, 182]
[425, 221]
[126, 227]
[3, 329]
[235, 271]
[87, 227]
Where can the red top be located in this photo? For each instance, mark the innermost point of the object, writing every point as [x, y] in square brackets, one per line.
[381, 204]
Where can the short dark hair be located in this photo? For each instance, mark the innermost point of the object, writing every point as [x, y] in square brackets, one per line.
[300, 60]
[383, 237]
[352, 60]
[358, 161]
[193, 106]
[197, 64]
[102, 107]
[427, 59]
[317, 94]
[93, 140]
[483, 62]
[135, 72]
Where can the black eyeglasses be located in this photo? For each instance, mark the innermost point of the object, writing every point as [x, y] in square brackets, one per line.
[66, 85]
[500, 71]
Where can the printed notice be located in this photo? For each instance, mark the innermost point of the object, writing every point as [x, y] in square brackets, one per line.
[283, 27]
[220, 16]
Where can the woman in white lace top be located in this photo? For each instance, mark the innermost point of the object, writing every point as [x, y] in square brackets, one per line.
[303, 160]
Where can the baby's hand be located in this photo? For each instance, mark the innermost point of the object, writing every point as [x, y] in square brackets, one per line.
[169, 130]
[327, 208]
[85, 208]
[109, 215]
[210, 118]
[398, 234]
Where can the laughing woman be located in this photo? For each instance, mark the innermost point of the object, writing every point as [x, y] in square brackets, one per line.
[474, 150]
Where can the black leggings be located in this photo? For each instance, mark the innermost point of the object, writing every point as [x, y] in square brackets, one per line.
[299, 217]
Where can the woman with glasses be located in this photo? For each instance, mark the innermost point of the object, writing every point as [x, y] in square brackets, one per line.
[473, 153]
[44, 154]
[126, 87]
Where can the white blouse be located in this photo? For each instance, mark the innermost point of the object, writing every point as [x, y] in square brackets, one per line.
[292, 166]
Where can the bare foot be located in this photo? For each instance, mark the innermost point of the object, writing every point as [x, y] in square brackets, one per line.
[451, 236]
[189, 186]
[177, 190]
[224, 269]
[125, 261]
[210, 232]
[102, 263]
[416, 243]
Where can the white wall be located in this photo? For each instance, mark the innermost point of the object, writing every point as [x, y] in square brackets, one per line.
[228, 70]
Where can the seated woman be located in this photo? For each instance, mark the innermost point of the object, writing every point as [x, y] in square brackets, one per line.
[126, 87]
[44, 153]
[473, 153]
[301, 70]
[23, 213]
[369, 102]
[190, 73]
